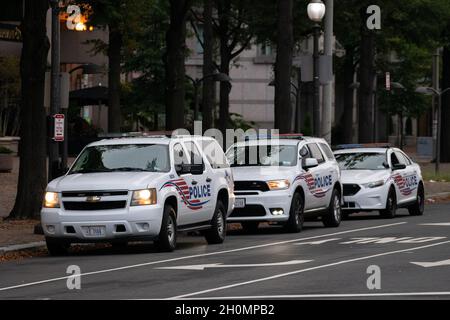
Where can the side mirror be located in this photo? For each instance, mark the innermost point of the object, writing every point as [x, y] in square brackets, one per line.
[197, 169]
[309, 163]
[398, 166]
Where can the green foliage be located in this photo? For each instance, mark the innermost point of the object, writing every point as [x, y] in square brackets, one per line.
[4, 150]
[238, 122]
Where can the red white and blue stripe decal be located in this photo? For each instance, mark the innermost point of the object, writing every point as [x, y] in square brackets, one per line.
[311, 184]
[183, 190]
[406, 185]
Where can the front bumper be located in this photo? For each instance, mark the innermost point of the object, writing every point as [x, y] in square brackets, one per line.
[140, 222]
[258, 206]
[367, 199]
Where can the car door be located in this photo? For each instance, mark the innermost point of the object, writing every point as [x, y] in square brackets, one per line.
[398, 177]
[410, 177]
[331, 169]
[201, 190]
[308, 179]
[322, 177]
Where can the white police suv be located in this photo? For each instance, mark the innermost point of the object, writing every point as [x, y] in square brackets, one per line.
[143, 188]
[380, 179]
[285, 180]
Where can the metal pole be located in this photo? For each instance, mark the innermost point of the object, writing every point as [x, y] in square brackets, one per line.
[316, 99]
[298, 121]
[196, 102]
[438, 134]
[55, 96]
[328, 87]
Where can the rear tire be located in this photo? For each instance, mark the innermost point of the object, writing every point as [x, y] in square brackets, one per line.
[296, 215]
[218, 231]
[391, 206]
[332, 218]
[167, 239]
[418, 207]
[57, 247]
[250, 226]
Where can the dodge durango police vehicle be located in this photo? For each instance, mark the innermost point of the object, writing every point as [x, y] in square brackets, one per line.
[285, 180]
[382, 178]
[143, 188]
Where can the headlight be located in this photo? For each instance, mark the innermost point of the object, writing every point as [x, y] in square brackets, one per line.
[51, 200]
[143, 197]
[278, 184]
[374, 184]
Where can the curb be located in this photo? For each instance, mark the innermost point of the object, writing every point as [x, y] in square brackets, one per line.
[18, 247]
[441, 194]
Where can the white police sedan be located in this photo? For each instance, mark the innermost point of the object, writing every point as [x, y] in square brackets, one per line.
[381, 179]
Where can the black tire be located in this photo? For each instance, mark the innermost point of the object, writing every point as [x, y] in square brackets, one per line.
[250, 226]
[218, 231]
[296, 215]
[391, 206]
[167, 239]
[418, 207]
[57, 247]
[333, 216]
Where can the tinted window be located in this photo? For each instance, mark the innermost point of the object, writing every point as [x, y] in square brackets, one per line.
[401, 158]
[179, 157]
[124, 157]
[196, 157]
[326, 149]
[394, 159]
[315, 152]
[263, 155]
[361, 161]
[214, 153]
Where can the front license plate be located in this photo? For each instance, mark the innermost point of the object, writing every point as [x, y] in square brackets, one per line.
[239, 203]
[97, 231]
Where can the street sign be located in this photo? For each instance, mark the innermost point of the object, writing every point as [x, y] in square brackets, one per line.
[388, 81]
[58, 134]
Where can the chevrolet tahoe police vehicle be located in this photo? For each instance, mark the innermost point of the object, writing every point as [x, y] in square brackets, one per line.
[145, 188]
[290, 178]
[381, 179]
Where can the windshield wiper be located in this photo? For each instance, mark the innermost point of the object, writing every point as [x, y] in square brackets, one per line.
[129, 169]
[89, 171]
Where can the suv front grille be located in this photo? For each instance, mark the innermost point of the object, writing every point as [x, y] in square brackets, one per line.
[88, 206]
[79, 194]
[250, 210]
[351, 189]
[251, 185]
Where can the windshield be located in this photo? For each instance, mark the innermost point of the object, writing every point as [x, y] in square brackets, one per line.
[125, 157]
[361, 161]
[264, 155]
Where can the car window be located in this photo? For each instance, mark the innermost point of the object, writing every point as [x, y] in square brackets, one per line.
[214, 153]
[401, 158]
[179, 156]
[195, 155]
[407, 159]
[361, 161]
[394, 159]
[315, 152]
[326, 149]
[263, 155]
[304, 152]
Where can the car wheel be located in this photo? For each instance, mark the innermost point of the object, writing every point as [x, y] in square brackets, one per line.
[250, 226]
[333, 216]
[218, 230]
[57, 247]
[296, 216]
[391, 206]
[167, 239]
[418, 207]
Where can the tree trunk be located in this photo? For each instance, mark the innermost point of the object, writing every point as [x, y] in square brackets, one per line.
[445, 108]
[174, 64]
[283, 66]
[32, 148]
[114, 60]
[366, 78]
[208, 66]
[349, 71]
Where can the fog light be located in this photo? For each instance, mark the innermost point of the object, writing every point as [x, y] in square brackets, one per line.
[51, 228]
[143, 226]
[277, 212]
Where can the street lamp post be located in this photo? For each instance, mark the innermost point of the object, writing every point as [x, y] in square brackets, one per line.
[316, 12]
[218, 77]
[439, 94]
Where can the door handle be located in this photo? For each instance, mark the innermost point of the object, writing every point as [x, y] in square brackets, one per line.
[194, 182]
[208, 179]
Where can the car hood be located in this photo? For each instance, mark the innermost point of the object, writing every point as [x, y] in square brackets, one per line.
[363, 176]
[106, 181]
[261, 173]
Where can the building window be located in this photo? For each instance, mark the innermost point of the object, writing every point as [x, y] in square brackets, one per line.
[265, 49]
[199, 39]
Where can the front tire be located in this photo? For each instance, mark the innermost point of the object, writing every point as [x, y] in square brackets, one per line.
[332, 218]
[296, 215]
[391, 206]
[418, 207]
[167, 239]
[218, 231]
[57, 247]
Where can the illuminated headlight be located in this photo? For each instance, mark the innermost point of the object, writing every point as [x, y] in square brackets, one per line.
[374, 184]
[51, 200]
[143, 197]
[278, 184]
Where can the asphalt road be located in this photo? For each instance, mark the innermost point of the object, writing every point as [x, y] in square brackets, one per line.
[411, 255]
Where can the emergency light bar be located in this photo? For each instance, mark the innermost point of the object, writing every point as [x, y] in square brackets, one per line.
[362, 145]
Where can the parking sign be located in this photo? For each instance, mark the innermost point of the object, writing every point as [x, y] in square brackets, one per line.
[58, 134]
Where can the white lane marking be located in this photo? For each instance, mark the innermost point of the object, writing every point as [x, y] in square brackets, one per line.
[249, 265]
[305, 270]
[331, 295]
[317, 242]
[433, 264]
[385, 240]
[442, 224]
[201, 255]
